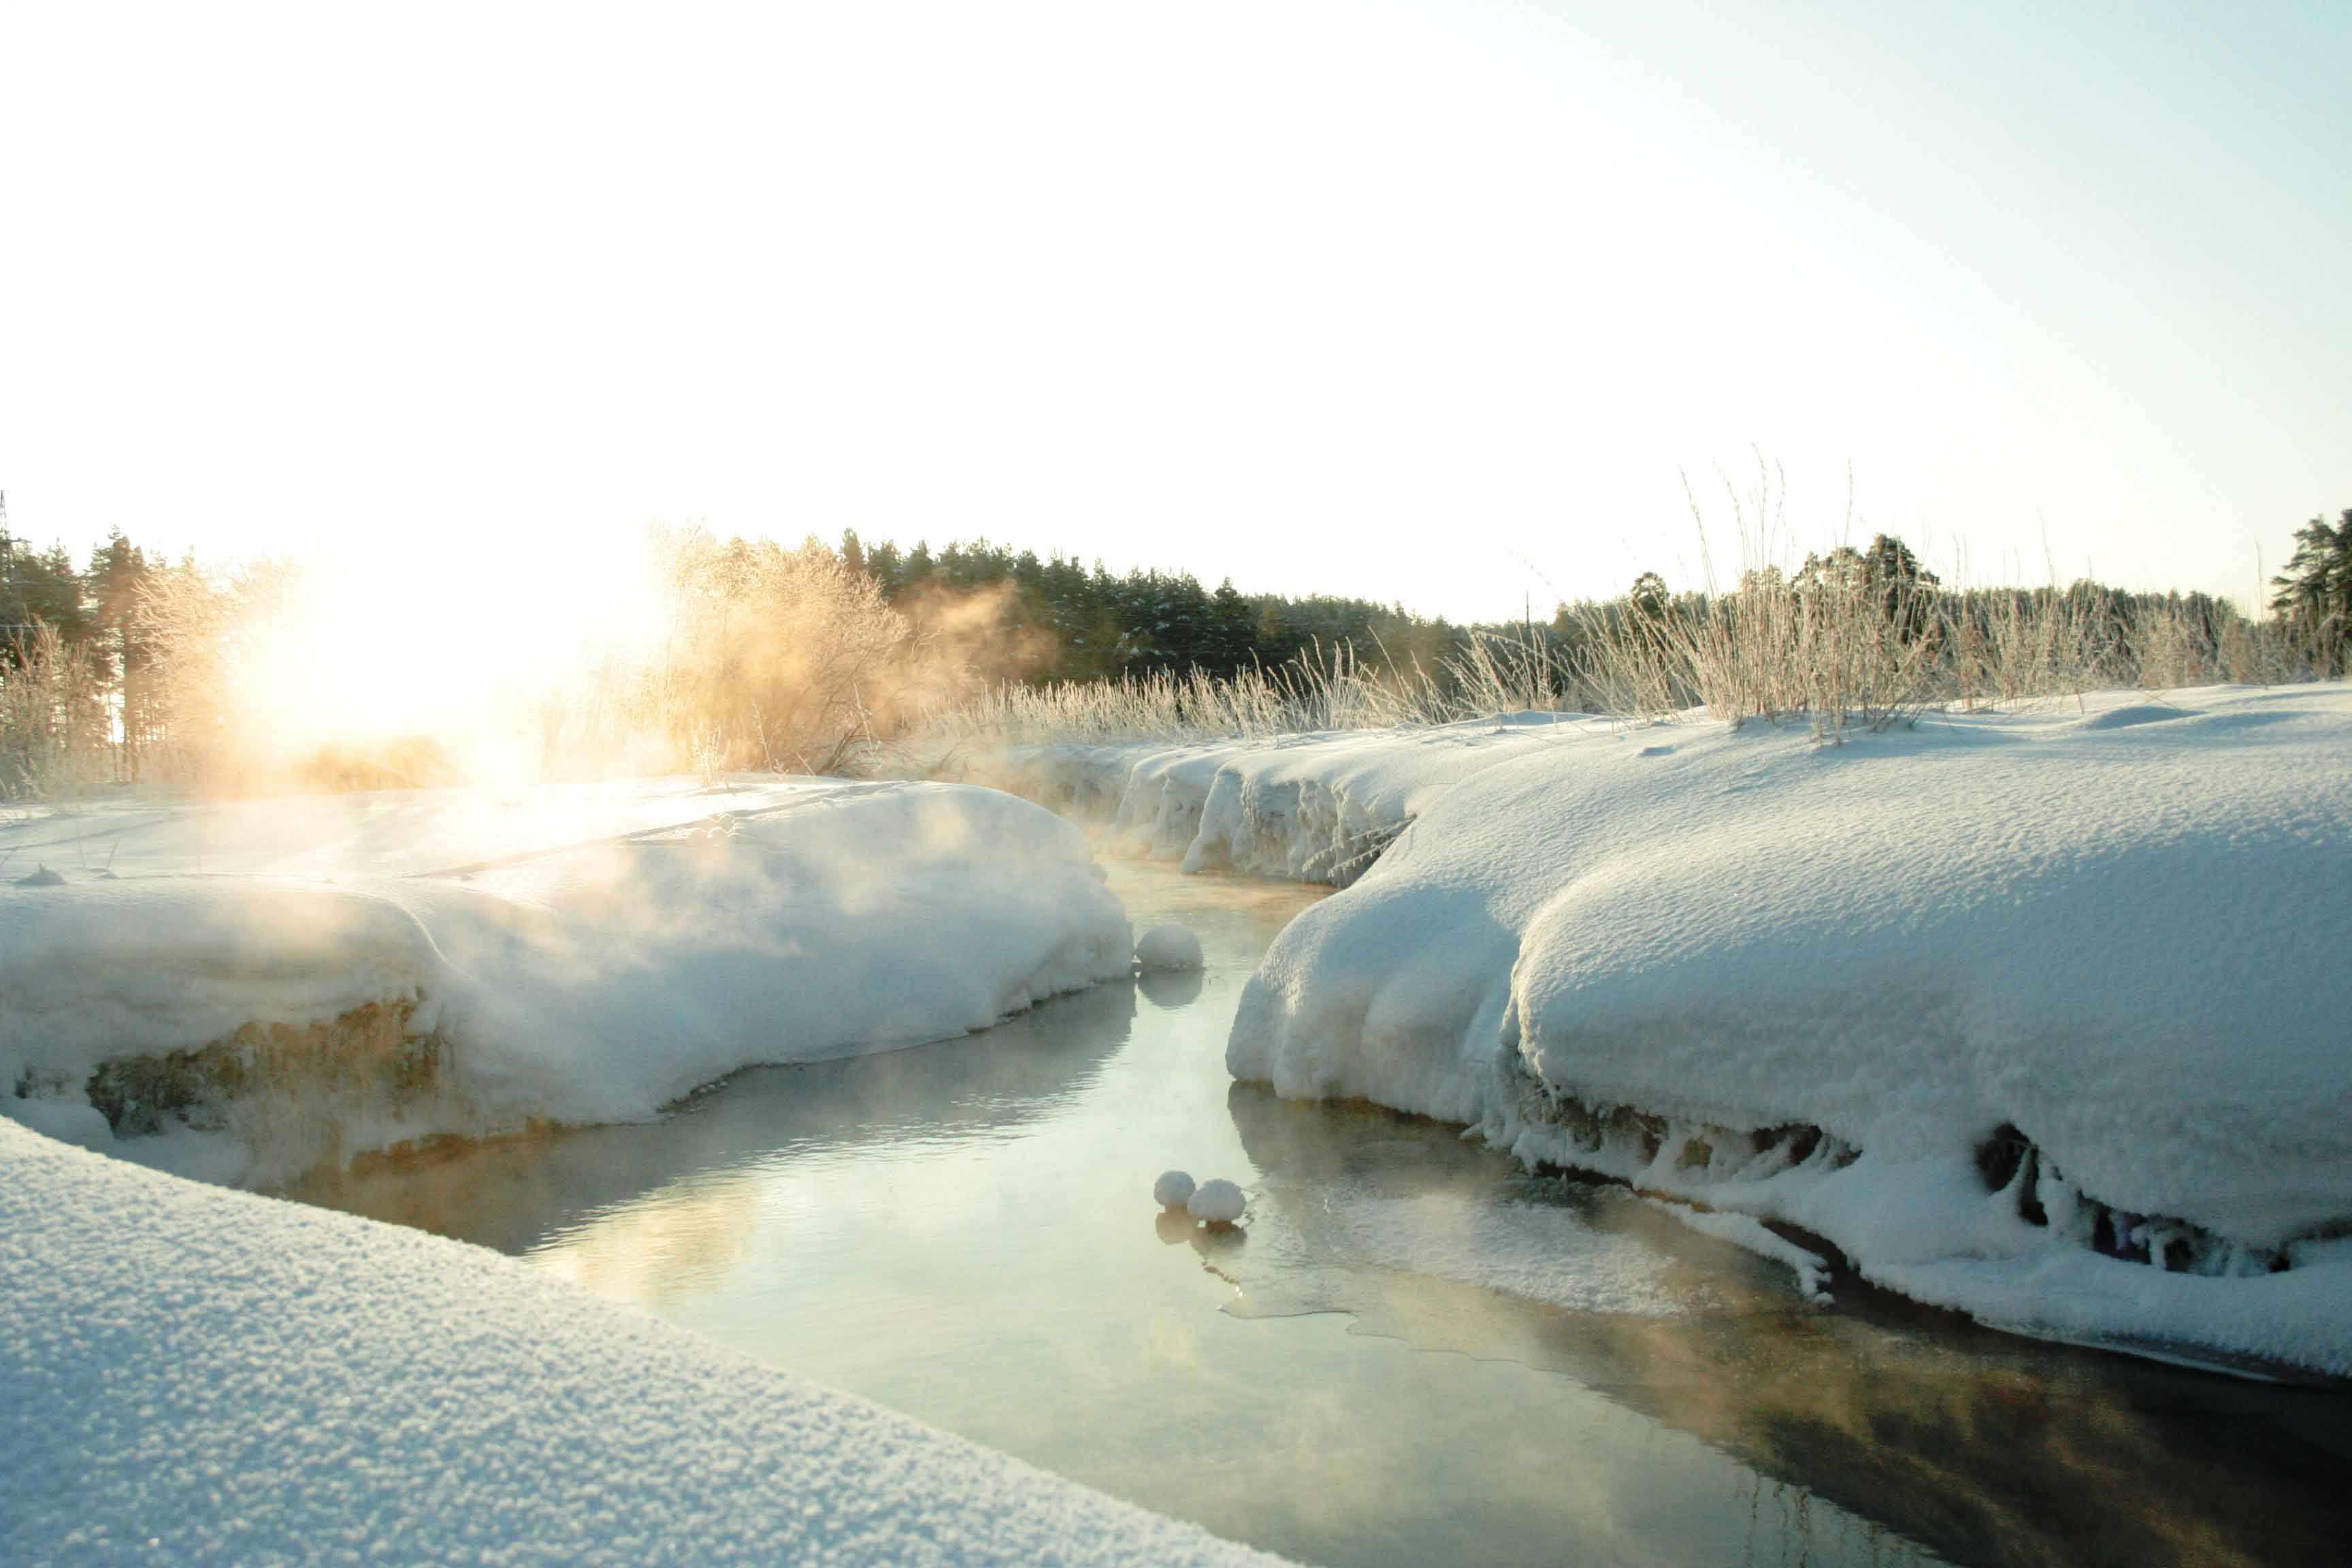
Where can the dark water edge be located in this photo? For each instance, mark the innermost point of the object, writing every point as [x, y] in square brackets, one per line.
[964, 1232]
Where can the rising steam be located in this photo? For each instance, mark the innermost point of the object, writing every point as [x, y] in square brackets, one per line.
[679, 653]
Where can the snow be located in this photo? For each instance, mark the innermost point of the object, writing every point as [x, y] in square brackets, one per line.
[1826, 984]
[387, 832]
[1168, 947]
[195, 1376]
[1217, 1202]
[1315, 807]
[589, 981]
[1173, 1190]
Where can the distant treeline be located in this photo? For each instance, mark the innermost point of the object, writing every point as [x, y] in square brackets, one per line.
[1022, 617]
[90, 607]
[1045, 620]
[114, 668]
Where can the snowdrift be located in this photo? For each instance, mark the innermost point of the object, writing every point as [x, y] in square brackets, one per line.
[195, 1376]
[396, 833]
[2040, 1016]
[591, 982]
[1317, 807]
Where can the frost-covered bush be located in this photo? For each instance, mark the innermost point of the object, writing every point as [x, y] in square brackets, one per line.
[53, 720]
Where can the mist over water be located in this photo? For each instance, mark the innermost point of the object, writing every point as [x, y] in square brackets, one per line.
[669, 651]
[1414, 1352]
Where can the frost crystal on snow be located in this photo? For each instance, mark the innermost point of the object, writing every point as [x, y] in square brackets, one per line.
[1173, 1190]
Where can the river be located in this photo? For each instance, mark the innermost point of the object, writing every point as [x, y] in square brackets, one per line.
[1413, 1352]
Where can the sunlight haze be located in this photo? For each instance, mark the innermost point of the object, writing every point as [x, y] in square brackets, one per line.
[1422, 302]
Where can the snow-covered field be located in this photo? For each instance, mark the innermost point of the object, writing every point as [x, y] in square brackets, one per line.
[189, 1376]
[351, 971]
[2041, 1016]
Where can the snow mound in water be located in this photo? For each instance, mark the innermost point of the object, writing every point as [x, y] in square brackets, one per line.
[1217, 1201]
[1168, 947]
[250, 1381]
[2033, 1017]
[1173, 1190]
[594, 983]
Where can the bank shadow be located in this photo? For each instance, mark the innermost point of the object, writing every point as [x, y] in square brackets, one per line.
[512, 1193]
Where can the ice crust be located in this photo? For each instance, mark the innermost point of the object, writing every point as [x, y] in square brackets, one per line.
[592, 982]
[2111, 930]
[1533, 1250]
[1752, 1235]
[189, 1375]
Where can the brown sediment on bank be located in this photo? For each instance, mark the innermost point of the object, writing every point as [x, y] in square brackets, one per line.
[287, 1093]
[1620, 1141]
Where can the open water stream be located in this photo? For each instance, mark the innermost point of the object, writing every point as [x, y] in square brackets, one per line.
[1412, 1352]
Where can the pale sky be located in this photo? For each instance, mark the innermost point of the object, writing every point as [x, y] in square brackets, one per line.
[1409, 299]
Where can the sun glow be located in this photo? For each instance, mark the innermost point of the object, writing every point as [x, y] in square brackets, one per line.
[358, 651]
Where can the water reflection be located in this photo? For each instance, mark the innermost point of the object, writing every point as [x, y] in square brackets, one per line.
[1983, 1448]
[513, 1194]
[1170, 988]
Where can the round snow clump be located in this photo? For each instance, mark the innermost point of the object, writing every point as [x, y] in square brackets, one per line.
[1168, 947]
[1218, 1202]
[1173, 1190]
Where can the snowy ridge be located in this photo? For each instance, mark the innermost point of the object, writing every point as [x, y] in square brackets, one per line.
[2039, 1015]
[1315, 808]
[195, 1376]
[593, 983]
[393, 833]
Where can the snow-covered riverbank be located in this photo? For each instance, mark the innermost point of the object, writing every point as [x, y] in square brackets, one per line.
[200, 1376]
[195, 1376]
[383, 968]
[1317, 808]
[2040, 1016]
